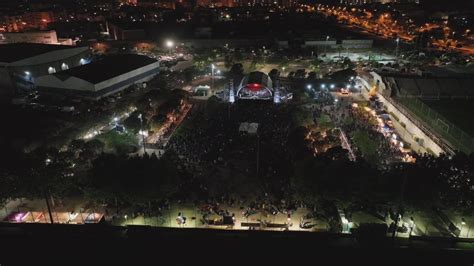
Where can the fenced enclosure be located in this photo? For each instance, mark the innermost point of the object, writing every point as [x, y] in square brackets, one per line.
[455, 136]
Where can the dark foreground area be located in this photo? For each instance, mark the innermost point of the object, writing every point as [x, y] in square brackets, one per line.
[139, 245]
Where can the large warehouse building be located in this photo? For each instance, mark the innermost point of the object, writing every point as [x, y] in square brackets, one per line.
[100, 78]
[22, 63]
[45, 37]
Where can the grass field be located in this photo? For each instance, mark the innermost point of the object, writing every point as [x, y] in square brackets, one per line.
[367, 146]
[119, 143]
[458, 112]
[451, 119]
[324, 121]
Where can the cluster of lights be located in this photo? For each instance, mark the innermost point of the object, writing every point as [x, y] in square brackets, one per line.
[91, 134]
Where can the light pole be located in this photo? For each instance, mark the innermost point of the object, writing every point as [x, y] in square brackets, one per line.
[463, 222]
[326, 46]
[142, 132]
[399, 215]
[169, 44]
[396, 51]
[212, 77]
[258, 152]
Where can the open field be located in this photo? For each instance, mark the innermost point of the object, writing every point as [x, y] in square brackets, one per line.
[451, 119]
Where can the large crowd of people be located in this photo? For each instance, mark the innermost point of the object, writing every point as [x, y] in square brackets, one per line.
[353, 118]
[211, 148]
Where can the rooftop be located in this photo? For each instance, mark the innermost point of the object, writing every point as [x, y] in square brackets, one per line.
[259, 78]
[13, 52]
[107, 68]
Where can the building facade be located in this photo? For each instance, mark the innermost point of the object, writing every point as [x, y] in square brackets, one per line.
[22, 63]
[44, 37]
[100, 78]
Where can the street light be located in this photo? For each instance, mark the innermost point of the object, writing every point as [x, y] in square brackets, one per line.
[142, 132]
[396, 52]
[309, 86]
[212, 76]
[169, 44]
[333, 86]
[463, 223]
[326, 46]
[323, 86]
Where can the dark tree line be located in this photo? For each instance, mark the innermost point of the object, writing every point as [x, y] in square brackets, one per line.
[131, 180]
[83, 170]
[443, 181]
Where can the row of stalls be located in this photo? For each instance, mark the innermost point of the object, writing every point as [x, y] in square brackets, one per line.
[386, 127]
[58, 217]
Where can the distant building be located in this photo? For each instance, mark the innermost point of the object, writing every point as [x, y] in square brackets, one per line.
[333, 44]
[215, 3]
[245, 3]
[28, 21]
[100, 78]
[129, 2]
[125, 31]
[362, 2]
[45, 37]
[38, 20]
[22, 63]
[11, 24]
[170, 4]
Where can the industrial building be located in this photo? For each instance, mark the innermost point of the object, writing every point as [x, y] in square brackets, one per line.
[22, 63]
[100, 78]
[125, 30]
[45, 37]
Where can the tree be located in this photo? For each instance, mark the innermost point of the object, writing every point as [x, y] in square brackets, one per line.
[77, 144]
[133, 123]
[159, 82]
[315, 65]
[312, 75]
[348, 64]
[238, 56]
[274, 74]
[300, 74]
[157, 121]
[228, 61]
[237, 70]
[136, 180]
[95, 146]
[189, 74]
[284, 62]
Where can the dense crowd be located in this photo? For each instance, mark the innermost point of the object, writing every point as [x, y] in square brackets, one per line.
[211, 148]
[352, 119]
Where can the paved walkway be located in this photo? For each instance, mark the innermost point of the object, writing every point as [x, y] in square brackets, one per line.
[194, 219]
